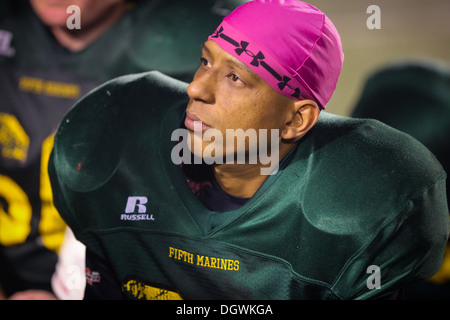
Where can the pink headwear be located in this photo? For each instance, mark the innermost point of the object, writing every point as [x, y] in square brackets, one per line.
[292, 45]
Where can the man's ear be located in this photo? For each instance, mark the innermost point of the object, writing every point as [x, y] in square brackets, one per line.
[303, 117]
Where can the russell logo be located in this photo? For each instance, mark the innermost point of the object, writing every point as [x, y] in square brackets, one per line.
[136, 210]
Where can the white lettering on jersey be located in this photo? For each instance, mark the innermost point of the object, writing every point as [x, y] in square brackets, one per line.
[5, 43]
[138, 202]
[133, 204]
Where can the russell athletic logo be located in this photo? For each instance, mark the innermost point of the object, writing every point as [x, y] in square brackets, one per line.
[136, 210]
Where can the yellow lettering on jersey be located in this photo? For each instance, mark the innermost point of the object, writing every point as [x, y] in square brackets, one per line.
[33, 85]
[14, 141]
[203, 261]
[181, 255]
[143, 291]
[15, 213]
[49, 88]
[51, 225]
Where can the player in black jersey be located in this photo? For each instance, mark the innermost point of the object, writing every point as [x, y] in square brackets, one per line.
[45, 67]
[349, 208]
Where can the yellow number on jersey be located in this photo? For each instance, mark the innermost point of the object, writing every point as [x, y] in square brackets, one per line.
[15, 207]
[15, 214]
[51, 226]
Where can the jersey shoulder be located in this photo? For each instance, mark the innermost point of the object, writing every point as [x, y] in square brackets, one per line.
[362, 171]
[92, 136]
[368, 145]
[374, 194]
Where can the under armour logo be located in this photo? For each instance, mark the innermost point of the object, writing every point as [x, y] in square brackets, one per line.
[217, 33]
[256, 58]
[284, 83]
[296, 93]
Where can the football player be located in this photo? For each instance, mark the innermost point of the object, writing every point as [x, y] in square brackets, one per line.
[353, 209]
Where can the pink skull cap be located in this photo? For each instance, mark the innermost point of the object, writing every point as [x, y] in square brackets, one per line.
[291, 44]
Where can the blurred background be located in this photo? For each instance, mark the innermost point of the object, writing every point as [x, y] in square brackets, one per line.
[409, 29]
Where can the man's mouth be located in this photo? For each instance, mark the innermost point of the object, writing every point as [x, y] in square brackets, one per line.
[192, 119]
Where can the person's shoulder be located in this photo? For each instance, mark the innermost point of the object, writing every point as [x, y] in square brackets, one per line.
[142, 80]
[146, 88]
[363, 170]
[361, 181]
[382, 187]
[124, 99]
[373, 145]
[93, 135]
[171, 33]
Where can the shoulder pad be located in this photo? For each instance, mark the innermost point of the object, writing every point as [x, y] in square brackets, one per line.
[92, 136]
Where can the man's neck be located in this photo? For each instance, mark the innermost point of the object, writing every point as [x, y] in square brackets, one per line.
[243, 180]
[240, 180]
[78, 39]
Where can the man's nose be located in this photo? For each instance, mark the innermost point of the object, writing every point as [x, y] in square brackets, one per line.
[203, 87]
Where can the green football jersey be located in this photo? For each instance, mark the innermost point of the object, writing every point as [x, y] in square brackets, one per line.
[40, 80]
[357, 210]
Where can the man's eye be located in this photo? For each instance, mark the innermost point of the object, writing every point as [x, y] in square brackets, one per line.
[204, 61]
[233, 77]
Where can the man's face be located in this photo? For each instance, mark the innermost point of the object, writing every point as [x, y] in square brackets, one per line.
[54, 12]
[226, 94]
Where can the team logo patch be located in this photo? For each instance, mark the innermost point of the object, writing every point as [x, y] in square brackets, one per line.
[136, 210]
[143, 291]
[92, 276]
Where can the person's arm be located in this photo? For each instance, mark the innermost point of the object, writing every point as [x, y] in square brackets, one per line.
[68, 280]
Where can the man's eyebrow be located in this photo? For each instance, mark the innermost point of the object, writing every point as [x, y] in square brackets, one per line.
[235, 62]
[204, 47]
[240, 65]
